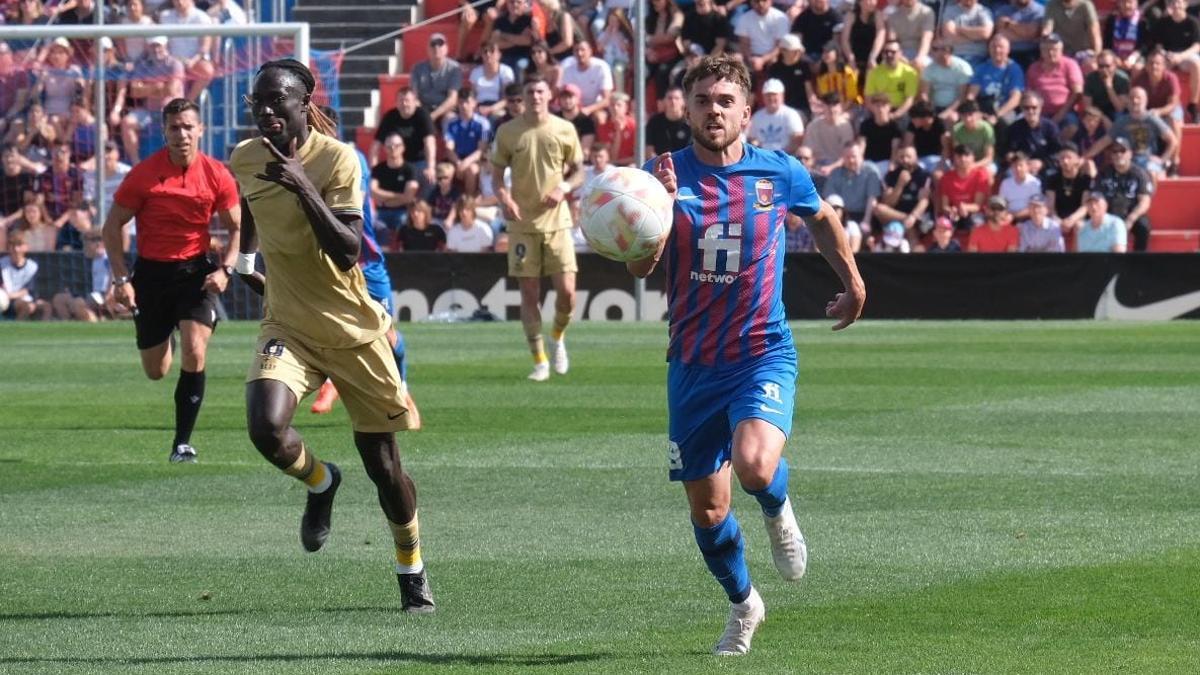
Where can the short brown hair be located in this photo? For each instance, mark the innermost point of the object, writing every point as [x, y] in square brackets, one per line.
[721, 67]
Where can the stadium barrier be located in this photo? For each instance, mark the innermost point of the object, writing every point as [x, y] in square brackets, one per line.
[446, 286]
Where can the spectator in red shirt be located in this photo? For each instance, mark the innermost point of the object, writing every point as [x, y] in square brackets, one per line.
[619, 131]
[996, 234]
[174, 193]
[964, 190]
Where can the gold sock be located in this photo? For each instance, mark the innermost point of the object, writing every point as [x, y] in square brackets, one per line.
[561, 319]
[537, 348]
[408, 546]
[310, 470]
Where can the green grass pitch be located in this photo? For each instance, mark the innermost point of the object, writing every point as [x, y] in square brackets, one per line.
[978, 497]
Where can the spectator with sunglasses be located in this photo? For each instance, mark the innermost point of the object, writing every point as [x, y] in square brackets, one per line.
[437, 80]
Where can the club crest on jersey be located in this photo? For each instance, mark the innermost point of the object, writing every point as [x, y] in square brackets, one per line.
[764, 194]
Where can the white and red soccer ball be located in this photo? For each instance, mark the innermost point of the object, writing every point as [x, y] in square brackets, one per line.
[624, 213]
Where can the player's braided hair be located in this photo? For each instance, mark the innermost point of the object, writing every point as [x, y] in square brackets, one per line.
[316, 117]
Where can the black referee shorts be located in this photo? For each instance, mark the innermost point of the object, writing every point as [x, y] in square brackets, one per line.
[170, 292]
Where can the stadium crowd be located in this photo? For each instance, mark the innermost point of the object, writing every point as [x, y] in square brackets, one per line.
[935, 127]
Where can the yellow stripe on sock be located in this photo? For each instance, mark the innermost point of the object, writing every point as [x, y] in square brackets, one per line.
[317, 477]
[408, 545]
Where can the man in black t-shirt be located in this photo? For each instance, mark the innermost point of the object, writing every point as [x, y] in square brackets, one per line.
[585, 128]
[816, 26]
[927, 134]
[1127, 187]
[906, 194]
[513, 32]
[881, 132]
[795, 72]
[394, 186]
[705, 26]
[421, 234]
[412, 123]
[668, 130]
[1067, 187]
[1177, 33]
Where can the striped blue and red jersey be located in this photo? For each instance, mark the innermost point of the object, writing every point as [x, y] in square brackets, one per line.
[370, 256]
[724, 258]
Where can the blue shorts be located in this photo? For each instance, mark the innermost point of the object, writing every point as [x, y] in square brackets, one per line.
[380, 291]
[706, 404]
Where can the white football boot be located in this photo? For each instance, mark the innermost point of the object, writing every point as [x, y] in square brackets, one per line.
[541, 372]
[744, 619]
[787, 543]
[558, 355]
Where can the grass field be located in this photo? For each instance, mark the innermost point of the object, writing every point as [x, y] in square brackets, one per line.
[978, 497]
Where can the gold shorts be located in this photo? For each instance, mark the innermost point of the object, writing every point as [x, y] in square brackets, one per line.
[538, 254]
[365, 376]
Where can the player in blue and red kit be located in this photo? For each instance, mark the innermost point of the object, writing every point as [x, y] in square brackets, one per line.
[379, 287]
[731, 374]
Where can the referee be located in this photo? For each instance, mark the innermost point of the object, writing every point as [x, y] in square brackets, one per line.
[174, 194]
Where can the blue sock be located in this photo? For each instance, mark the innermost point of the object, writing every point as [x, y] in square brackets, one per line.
[724, 553]
[398, 352]
[771, 498]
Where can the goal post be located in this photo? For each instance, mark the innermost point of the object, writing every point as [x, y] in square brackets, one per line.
[297, 32]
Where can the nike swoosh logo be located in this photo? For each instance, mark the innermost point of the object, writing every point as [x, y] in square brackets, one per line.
[396, 416]
[763, 407]
[1109, 307]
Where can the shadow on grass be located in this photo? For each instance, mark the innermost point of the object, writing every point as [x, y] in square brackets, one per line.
[523, 660]
[174, 614]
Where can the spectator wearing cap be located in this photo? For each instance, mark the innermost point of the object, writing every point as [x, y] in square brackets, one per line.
[488, 80]
[591, 75]
[881, 133]
[963, 191]
[928, 135]
[585, 126]
[892, 239]
[59, 82]
[795, 72]
[966, 27]
[854, 233]
[828, 135]
[759, 32]
[775, 126]
[895, 78]
[997, 83]
[1033, 135]
[857, 182]
[944, 81]
[1059, 81]
[996, 234]
[155, 79]
[194, 52]
[1150, 139]
[619, 130]
[703, 25]
[1066, 188]
[1178, 34]
[912, 23]
[1021, 22]
[1078, 24]
[906, 195]
[465, 137]
[1101, 232]
[943, 238]
[411, 122]
[15, 86]
[977, 134]
[514, 32]
[1126, 188]
[1040, 232]
[817, 26]
[437, 80]
[1020, 187]
[668, 130]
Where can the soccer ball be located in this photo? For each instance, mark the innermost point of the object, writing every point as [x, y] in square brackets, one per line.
[624, 213]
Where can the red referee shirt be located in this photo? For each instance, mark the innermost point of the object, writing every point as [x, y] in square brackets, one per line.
[174, 206]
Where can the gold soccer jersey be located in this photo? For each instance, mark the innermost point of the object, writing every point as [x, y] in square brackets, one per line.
[307, 296]
[538, 155]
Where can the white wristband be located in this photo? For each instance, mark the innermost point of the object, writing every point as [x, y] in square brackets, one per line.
[565, 187]
[245, 263]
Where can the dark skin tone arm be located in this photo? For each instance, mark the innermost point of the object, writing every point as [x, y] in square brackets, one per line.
[248, 243]
[339, 236]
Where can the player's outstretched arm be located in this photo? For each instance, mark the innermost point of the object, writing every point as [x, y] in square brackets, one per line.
[830, 238]
[339, 237]
[247, 246]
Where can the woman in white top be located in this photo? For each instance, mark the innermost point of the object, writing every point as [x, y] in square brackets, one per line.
[489, 80]
[131, 48]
